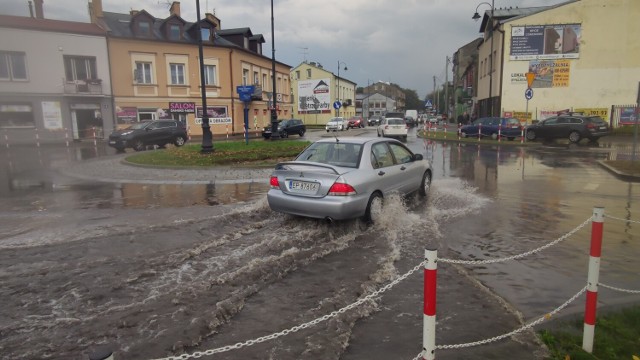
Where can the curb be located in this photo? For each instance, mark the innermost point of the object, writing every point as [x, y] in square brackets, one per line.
[621, 175]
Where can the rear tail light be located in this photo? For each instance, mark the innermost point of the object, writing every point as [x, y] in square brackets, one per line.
[591, 126]
[273, 181]
[341, 189]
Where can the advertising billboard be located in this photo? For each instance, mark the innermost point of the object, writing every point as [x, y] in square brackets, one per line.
[314, 96]
[550, 73]
[545, 42]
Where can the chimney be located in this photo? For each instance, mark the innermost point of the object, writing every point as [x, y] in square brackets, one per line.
[133, 12]
[175, 8]
[214, 20]
[31, 8]
[97, 8]
[39, 9]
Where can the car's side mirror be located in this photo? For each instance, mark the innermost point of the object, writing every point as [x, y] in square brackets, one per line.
[417, 157]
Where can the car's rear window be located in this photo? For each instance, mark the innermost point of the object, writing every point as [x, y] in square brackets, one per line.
[596, 120]
[395, 122]
[333, 153]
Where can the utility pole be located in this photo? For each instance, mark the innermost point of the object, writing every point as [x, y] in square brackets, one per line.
[435, 98]
[446, 87]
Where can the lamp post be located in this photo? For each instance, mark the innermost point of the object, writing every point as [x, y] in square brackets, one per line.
[475, 17]
[207, 138]
[274, 97]
[345, 68]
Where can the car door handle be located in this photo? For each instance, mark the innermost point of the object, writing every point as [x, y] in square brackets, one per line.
[381, 173]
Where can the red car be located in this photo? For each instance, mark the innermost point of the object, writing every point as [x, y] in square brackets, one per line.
[355, 122]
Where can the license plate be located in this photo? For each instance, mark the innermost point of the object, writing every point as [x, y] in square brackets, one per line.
[603, 128]
[112, 142]
[303, 185]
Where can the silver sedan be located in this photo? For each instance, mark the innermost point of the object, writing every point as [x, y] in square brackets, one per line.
[345, 178]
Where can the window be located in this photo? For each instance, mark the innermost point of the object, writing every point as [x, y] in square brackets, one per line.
[80, 68]
[12, 66]
[210, 75]
[380, 156]
[264, 81]
[143, 73]
[256, 79]
[174, 32]
[144, 28]
[308, 73]
[177, 74]
[401, 154]
[16, 115]
[297, 74]
[245, 76]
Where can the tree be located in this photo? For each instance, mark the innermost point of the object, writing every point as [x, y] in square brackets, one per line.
[411, 100]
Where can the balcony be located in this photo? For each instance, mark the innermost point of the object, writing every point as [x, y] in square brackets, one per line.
[89, 86]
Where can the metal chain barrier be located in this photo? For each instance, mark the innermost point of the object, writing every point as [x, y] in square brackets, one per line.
[625, 220]
[296, 328]
[519, 256]
[523, 328]
[619, 289]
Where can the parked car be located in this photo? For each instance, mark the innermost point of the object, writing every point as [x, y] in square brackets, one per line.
[355, 122]
[410, 121]
[335, 124]
[491, 126]
[336, 179]
[572, 127]
[285, 128]
[140, 135]
[393, 127]
[374, 120]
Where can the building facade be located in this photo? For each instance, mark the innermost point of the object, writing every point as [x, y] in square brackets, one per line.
[390, 90]
[584, 54]
[54, 80]
[315, 91]
[376, 104]
[156, 71]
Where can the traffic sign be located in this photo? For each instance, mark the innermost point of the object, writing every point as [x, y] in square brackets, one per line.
[245, 92]
[528, 94]
[428, 104]
[530, 77]
[337, 104]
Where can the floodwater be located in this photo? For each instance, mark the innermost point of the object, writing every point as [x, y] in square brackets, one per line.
[152, 270]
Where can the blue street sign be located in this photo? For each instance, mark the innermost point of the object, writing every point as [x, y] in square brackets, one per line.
[245, 92]
[528, 94]
[337, 104]
[428, 104]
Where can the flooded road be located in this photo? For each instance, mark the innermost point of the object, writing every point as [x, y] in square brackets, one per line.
[152, 270]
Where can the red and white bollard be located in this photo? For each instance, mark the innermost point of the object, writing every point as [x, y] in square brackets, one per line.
[95, 141]
[521, 134]
[189, 132]
[37, 138]
[227, 127]
[499, 131]
[429, 323]
[6, 138]
[479, 131]
[445, 130]
[66, 136]
[597, 224]
[459, 126]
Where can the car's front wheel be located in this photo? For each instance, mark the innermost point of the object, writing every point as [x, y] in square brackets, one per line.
[374, 208]
[574, 137]
[531, 135]
[179, 141]
[426, 184]
[284, 134]
[301, 133]
[138, 145]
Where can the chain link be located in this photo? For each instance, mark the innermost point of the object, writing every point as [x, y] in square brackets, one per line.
[625, 220]
[519, 256]
[297, 328]
[619, 289]
[519, 330]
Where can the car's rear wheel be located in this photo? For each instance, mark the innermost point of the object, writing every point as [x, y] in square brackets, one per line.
[374, 208]
[426, 184]
[179, 140]
[138, 145]
[301, 133]
[531, 135]
[574, 137]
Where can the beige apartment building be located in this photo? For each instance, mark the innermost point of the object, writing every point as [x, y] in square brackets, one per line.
[155, 71]
[315, 91]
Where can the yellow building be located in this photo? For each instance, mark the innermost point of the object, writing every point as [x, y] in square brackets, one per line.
[155, 70]
[584, 54]
[316, 90]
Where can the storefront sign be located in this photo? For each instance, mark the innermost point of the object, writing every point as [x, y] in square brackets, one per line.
[52, 115]
[216, 114]
[602, 112]
[182, 107]
[126, 115]
[522, 116]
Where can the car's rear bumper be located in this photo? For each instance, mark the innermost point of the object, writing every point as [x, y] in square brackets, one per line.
[334, 207]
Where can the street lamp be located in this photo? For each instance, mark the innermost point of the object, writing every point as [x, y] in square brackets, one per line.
[207, 138]
[274, 97]
[345, 68]
[475, 17]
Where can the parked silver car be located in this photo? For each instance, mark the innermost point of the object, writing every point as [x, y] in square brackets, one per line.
[335, 124]
[345, 178]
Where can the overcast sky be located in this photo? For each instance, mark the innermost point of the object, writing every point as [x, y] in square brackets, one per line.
[402, 41]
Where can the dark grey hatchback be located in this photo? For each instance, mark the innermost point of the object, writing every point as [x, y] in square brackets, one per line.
[572, 127]
[140, 135]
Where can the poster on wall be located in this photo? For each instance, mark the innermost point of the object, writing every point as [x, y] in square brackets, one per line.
[52, 115]
[550, 73]
[314, 96]
[602, 112]
[216, 114]
[545, 42]
[126, 115]
[629, 115]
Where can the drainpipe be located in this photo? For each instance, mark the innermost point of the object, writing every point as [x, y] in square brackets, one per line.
[501, 71]
[233, 107]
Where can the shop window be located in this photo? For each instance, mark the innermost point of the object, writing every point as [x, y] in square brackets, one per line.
[16, 116]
